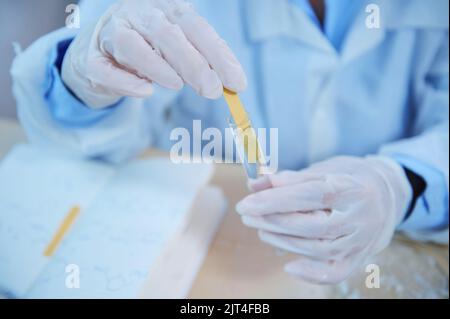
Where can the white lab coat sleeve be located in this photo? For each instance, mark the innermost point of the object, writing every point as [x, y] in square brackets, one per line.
[426, 152]
[52, 117]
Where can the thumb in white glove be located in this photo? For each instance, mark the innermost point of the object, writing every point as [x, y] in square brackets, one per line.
[335, 214]
[137, 42]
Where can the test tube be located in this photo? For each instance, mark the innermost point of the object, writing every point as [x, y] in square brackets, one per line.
[249, 152]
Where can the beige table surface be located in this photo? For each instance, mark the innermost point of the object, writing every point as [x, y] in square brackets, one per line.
[238, 265]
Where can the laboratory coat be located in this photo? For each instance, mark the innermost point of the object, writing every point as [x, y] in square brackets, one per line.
[384, 92]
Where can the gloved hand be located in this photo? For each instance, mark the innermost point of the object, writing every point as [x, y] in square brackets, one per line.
[137, 42]
[335, 214]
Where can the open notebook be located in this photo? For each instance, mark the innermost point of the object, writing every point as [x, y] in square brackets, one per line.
[142, 230]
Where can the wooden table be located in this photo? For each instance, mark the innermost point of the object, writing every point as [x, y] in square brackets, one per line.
[240, 266]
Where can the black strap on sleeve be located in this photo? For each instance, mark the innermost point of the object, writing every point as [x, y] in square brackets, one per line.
[418, 185]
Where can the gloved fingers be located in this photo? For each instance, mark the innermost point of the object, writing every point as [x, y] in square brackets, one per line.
[206, 40]
[86, 66]
[323, 272]
[317, 248]
[216, 51]
[286, 199]
[108, 76]
[283, 178]
[130, 50]
[258, 184]
[180, 54]
[342, 190]
[336, 164]
[312, 225]
[346, 192]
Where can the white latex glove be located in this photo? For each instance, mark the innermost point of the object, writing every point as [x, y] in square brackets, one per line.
[137, 42]
[335, 214]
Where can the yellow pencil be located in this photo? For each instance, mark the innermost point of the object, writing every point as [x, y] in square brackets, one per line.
[62, 230]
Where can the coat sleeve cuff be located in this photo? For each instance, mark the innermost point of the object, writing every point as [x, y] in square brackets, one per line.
[65, 108]
[430, 212]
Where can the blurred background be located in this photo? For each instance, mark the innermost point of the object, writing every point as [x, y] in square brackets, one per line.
[23, 21]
